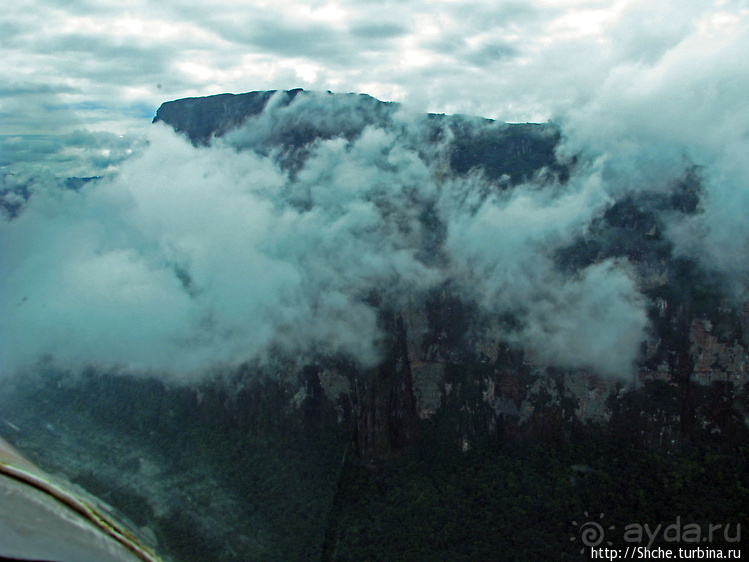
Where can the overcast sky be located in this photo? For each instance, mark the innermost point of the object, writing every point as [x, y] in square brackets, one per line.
[108, 64]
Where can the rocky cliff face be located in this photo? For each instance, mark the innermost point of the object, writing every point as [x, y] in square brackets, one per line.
[448, 360]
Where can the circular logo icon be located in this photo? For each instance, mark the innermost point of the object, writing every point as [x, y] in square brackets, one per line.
[592, 533]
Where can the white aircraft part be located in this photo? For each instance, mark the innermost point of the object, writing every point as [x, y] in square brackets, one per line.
[42, 520]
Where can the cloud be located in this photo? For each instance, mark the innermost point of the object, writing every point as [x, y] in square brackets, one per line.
[503, 255]
[190, 259]
[653, 120]
[596, 320]
[98, 280]
[155, 51]
[80, 153]
[308, 40]
[378, 31]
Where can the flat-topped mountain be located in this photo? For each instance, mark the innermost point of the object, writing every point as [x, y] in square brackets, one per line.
[295, 118]
[322, 326]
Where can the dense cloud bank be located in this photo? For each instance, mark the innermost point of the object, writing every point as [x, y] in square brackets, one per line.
[192, 258]
[651, 119]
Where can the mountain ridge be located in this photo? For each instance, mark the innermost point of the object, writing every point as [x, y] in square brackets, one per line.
[205, 118]
[630, 230]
